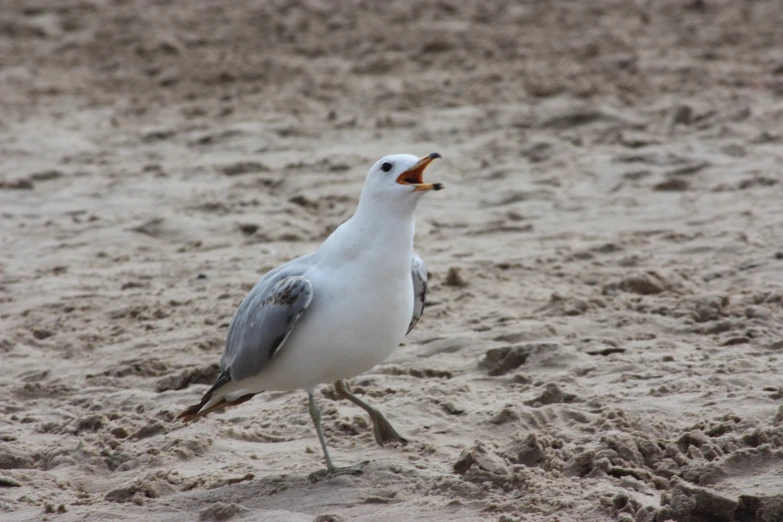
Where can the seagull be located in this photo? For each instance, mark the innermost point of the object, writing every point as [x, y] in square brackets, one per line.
[337, 312]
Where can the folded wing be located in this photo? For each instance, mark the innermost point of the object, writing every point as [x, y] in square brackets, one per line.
[259, 329]
[262, 323]
[419, 274]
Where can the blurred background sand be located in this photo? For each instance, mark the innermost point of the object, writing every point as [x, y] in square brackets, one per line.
[603, 334]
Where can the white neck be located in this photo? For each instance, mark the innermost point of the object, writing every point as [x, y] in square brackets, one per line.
[377, 233]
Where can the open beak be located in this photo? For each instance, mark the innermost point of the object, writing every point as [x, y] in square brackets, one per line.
[415, 175]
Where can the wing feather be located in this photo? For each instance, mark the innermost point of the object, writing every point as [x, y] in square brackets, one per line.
[260, 327]
[419, 275]
[262, 323]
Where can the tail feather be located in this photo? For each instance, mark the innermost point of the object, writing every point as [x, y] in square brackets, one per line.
[209, 403]
[190, 413]
[193, 412]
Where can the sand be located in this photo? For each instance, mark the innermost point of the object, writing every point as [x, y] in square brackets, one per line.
[603, 338]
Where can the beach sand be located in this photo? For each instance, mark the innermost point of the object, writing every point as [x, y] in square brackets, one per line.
[603, 336]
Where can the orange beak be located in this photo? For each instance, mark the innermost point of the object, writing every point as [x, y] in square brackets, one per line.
[415, 175]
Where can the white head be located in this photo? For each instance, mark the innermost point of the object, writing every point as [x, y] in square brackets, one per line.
[395, 182]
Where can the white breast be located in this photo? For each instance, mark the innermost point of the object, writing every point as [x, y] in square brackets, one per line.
[357, 318]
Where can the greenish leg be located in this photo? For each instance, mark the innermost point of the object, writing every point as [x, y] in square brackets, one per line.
[315, 414]
[382, 429]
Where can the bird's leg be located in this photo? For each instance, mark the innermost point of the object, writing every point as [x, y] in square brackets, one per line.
[315, 414]
[382, 429]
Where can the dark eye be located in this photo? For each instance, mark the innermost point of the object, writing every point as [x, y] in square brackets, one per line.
[386, 167]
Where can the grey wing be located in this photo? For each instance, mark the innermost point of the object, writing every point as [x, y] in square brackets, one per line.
[263, 322]
[419, 273]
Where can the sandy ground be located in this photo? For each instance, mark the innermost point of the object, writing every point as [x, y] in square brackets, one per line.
[603, 336]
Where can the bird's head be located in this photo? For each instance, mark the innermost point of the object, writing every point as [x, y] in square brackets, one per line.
[397, 180]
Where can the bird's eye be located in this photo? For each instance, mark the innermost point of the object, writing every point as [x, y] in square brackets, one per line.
[386, 167]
